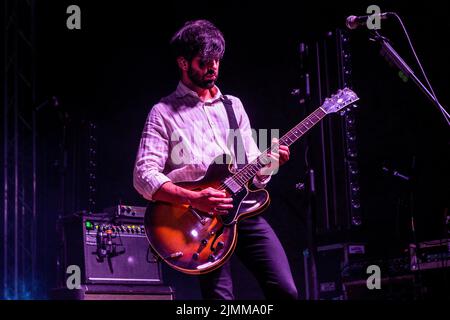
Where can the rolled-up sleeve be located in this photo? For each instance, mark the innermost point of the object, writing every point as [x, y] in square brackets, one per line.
[251, 148]
[152, 155]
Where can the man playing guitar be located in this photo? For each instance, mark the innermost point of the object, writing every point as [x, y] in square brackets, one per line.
[183, 134]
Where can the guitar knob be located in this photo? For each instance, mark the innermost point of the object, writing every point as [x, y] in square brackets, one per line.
[220, 245]
[195, 256]
[204, 242]
[211, 258]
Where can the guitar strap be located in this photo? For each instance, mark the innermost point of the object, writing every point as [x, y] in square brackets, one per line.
[237, 138]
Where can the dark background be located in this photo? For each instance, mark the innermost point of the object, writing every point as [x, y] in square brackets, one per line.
[118, 65]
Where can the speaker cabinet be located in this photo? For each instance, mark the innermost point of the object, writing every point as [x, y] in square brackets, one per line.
[114, 292]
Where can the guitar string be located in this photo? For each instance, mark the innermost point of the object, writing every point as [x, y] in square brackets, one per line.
[319, 113]
[283, 140]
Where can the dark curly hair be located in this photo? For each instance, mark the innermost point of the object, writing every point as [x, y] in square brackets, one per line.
[198, 37]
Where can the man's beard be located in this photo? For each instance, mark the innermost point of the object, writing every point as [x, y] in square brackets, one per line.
[200, 80]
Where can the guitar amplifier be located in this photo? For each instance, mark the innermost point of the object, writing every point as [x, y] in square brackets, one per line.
[332, 261]
[109, 251]
[430, 255]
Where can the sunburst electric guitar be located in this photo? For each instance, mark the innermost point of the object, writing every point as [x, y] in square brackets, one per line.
[194, 242]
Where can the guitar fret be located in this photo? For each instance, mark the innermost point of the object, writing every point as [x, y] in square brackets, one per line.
[245, 175]
[237, 181]
[248, 172]
[302, 127]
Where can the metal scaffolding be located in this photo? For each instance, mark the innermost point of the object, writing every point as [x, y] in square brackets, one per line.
[19, 203]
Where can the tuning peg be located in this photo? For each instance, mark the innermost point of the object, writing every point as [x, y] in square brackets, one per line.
[355, 105]
[343, 112]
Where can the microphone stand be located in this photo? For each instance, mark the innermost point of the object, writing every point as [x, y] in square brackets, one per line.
[314, 294]
[392, 57]
[389, 53]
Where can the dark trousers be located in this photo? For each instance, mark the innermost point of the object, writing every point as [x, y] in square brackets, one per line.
[261, 252]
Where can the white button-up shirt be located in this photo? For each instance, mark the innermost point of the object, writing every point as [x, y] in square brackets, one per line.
[183, 135]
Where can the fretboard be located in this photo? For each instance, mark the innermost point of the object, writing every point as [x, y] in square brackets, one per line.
[239, 179]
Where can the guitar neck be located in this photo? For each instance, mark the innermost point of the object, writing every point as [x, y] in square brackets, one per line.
[249, 171]
[299, 130]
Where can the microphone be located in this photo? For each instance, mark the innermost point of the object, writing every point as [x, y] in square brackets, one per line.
[353, 22]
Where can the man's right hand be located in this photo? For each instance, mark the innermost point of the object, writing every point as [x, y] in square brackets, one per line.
[211, 200]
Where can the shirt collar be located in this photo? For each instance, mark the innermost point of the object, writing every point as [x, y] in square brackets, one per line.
[182, 91]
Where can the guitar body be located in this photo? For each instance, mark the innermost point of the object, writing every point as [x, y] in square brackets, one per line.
[194, 242]
[190, 240]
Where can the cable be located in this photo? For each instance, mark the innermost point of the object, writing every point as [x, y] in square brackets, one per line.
[443, 111]
[414, 53]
